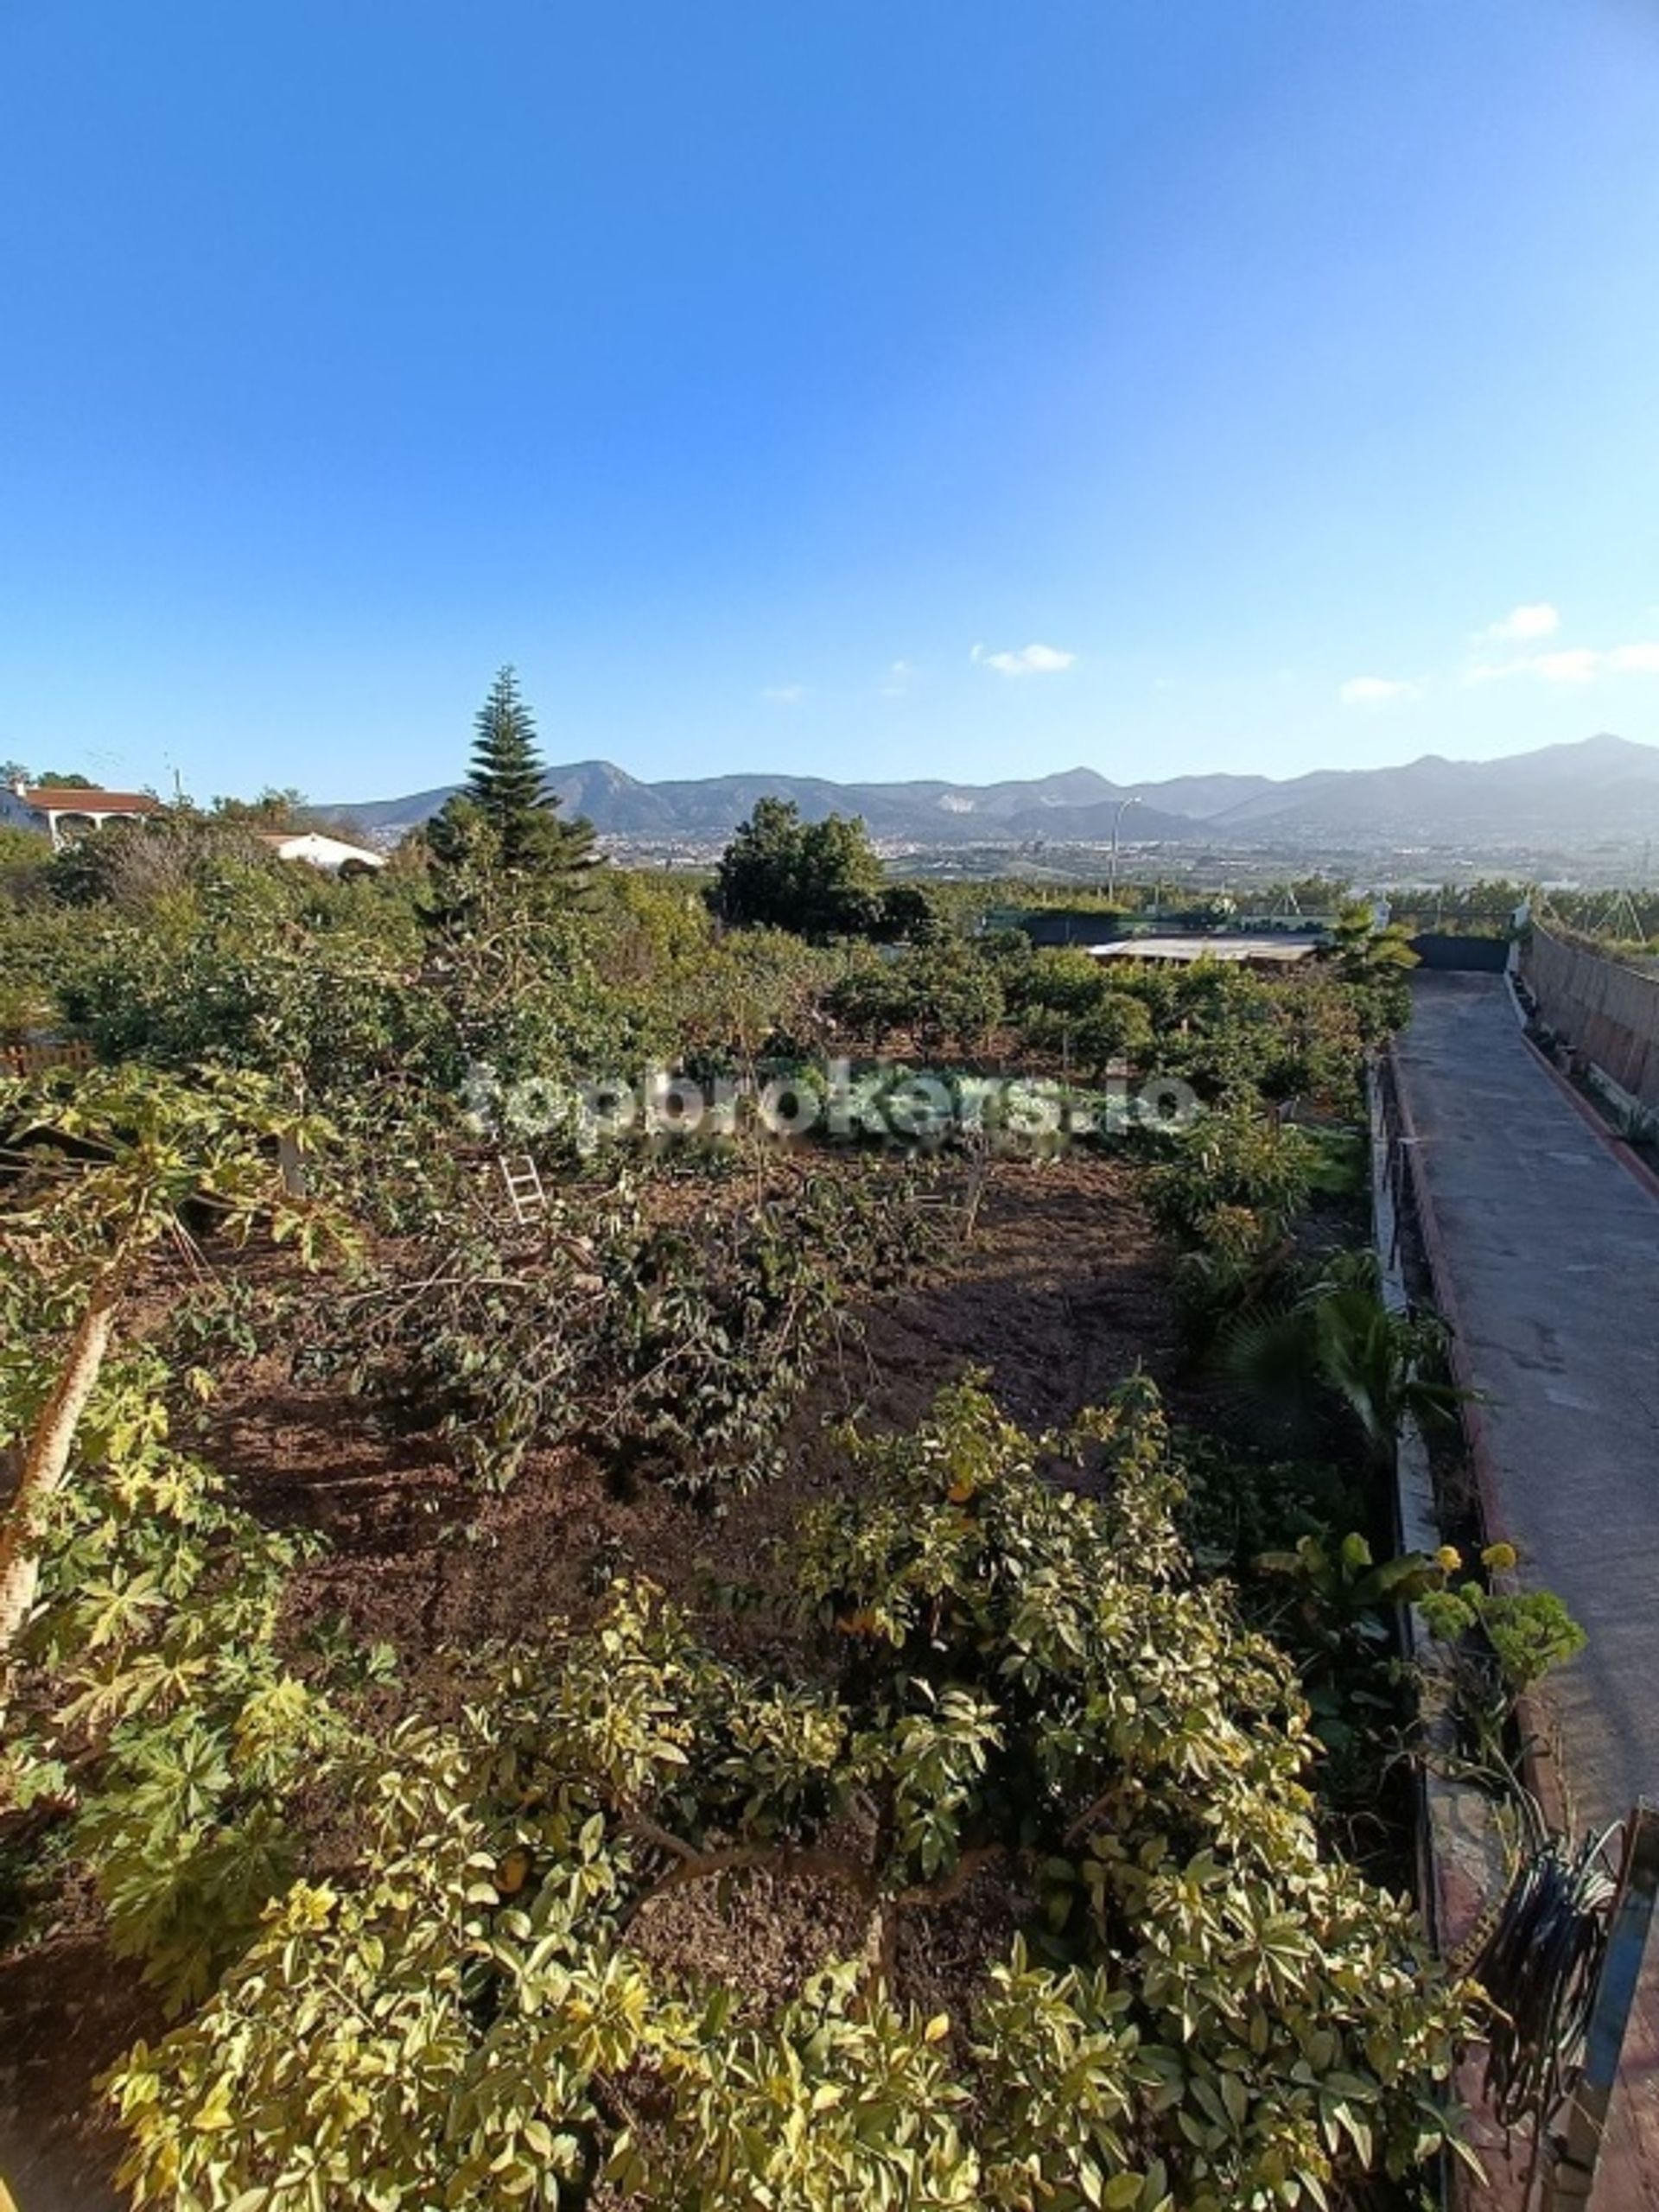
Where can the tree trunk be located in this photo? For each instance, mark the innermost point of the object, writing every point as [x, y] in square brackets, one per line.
[291, 1161]
[46, 1457]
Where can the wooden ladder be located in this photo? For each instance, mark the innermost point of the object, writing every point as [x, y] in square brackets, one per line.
[524, 1187]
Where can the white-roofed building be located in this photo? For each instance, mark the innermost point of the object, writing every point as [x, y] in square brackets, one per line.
[331, 855]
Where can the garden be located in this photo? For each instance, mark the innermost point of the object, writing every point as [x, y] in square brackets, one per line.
[786, 1671]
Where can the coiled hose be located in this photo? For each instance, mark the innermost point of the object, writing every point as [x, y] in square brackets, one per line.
[1539, 1966]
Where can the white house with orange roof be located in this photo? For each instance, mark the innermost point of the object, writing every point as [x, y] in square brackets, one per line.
[64, 812]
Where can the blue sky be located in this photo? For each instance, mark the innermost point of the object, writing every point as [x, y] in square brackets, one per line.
[865, 387]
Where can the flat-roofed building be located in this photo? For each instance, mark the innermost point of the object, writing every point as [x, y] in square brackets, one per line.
[1233, 947]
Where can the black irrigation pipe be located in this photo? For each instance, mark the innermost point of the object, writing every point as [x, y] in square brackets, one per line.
[1540, 1966]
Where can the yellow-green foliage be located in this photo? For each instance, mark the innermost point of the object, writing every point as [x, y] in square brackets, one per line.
[1017, 1684]
[170, 1718]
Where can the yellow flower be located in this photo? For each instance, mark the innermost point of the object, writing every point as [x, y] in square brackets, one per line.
[1448, 1557]
[1500, 1558]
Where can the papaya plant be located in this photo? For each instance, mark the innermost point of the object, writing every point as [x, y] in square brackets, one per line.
[161, 1714]
[106, 1167]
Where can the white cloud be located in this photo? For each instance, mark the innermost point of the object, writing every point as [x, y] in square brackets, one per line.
[1030, 660]
[1498, 671]
[1521, 624]
[1574, 664]
[1374, 690]
[898, 679]
[783, 695]
[1579, 665]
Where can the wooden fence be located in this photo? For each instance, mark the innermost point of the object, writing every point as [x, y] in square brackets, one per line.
[35, 1054]
[1608, 1012]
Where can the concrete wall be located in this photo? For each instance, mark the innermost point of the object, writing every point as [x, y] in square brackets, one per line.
[1606, 1011]
[1487, 955]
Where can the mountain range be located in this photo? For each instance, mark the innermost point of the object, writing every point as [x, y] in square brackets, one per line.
[1604, 787]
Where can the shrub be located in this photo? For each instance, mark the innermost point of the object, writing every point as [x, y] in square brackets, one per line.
[680, 1348]
[1233, 1157]
[165, 1717]
[1201, 2011]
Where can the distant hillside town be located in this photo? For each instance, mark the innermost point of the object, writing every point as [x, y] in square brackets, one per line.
[1580, 811]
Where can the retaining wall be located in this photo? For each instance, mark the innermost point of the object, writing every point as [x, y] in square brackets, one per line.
[1605, 1010]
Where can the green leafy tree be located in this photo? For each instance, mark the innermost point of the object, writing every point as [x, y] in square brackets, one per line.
[1234, 1158]
[47, 779]
[937, 992]
[1061, 981]
[911, 913]
[953, 996]
[750, 995]
[1068, 1002]
[277, 972]
[1115, 1029]
[24, 863]
[758, 881]
[159, 867]
[164, 1720]
[872, 999]
[273, 809]
[819, 879]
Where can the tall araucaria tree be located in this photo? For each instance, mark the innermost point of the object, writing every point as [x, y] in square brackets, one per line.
[505, 806]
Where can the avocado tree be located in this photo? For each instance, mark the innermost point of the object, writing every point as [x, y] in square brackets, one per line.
[818, 879]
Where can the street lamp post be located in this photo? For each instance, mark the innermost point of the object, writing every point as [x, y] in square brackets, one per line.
[1123, 806]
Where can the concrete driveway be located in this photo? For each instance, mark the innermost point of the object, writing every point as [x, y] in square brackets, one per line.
[1553, 1247]
[1551, 1244]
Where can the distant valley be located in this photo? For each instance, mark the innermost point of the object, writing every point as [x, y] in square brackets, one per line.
[1565, 805]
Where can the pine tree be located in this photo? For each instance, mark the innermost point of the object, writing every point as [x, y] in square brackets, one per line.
[506, 796]
[507, 777]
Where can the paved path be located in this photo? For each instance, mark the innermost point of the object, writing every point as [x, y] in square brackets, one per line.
[1552, 1247]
